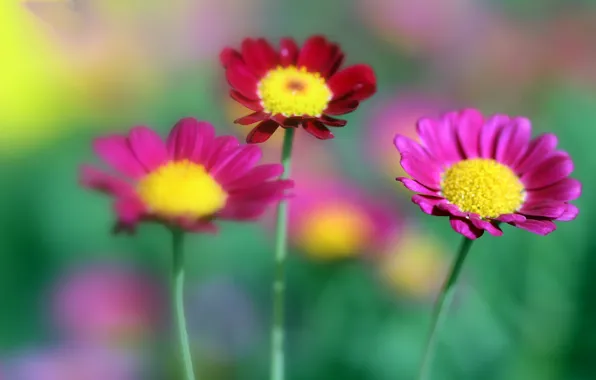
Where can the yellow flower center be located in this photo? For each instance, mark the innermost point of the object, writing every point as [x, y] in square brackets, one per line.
[294, 92]
[333, 232]
[182, 188]
[483, 186]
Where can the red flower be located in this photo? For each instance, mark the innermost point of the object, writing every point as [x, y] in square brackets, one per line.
[295, 86]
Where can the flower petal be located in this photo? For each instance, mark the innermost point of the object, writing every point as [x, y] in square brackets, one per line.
[511, 218]
[487, 226]
[540, 227]
[262, 132]
[255, 176]
[417, 187]
[97, 180]
[538, 150]
[252, 118]
[466, 228]
[220, 150]
[570, 213]
[336, 58]
[551, 210]
[116, 152]
[315, 54]
[429, 204]
[489, 136]
[317, 129]
[568, 189]
[288, 52]
[227, 55]
[469, 126]
[129, 211]
[550, 171]
[513, 141]
[190, 139]
[251, 104]
[332, 122]
[148, 147]
[341, 107]
[356, 82]
[259, 56]
[243, 161]
[241, 78]
[421, 171]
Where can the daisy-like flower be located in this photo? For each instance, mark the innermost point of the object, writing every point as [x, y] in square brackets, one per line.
[481, 172]
[188, 181]
[295, 86]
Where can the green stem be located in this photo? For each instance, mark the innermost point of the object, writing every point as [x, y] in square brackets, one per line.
[281, 251]
[178, 299]
[442, 306]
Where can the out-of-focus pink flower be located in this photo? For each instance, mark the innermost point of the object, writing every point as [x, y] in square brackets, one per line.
[415, 265]
[333, 219]
[393, 116]
[223, 320]
[570, 53]
[73, 363]
[423, 26]
[108, 304]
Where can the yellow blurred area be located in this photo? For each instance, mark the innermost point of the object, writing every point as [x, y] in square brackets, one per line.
[334, 231]
[60, 62]
[32, 82]
[415, 266]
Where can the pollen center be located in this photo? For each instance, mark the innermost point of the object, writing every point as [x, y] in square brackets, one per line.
[334, 231]
[291, 91]
[483, 186]
[182, 189]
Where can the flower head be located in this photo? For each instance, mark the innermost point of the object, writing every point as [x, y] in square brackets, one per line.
[188, 181]
[333, 220]
[295, 86]
[482, 172]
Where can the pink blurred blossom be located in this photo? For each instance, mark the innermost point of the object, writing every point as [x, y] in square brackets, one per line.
[73, 363]
[398, 114]
[107, 304]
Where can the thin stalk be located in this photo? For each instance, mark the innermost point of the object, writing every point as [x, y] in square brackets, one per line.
[442, 307]
[178, 300]
[281, 251]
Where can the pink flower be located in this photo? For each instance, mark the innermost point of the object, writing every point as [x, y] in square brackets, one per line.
[64, 363]
[482, 172]
[331, 219]
[102, 303]
[189, 181]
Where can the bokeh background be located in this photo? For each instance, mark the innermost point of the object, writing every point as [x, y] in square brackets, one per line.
[77, 302]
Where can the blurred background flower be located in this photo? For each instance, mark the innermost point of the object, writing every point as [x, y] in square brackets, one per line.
[75, 70]
[109, 305]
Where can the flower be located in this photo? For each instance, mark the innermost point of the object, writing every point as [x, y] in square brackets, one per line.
[102, 303]
[331, 219]
[295, 86]
[415, 264]
[188, 182]
[482, 172]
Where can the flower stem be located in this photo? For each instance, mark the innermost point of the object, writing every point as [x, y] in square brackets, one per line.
[178, 299]
[442, 306]
[281, 251]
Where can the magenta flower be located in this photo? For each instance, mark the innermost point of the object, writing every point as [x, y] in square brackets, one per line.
[189, 181]
[106, 303]
[482, 172]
